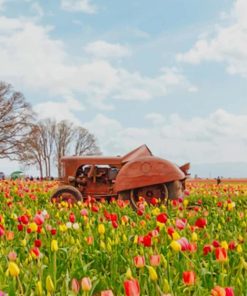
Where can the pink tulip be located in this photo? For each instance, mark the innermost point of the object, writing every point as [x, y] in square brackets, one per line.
[181, 223]
[139, 261]
[155, 260]
[75, 286]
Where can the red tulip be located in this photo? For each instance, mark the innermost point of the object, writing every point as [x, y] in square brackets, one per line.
[201, 222]
[53, 231]
[229, 291]
[154, 201]
[132, 287]
[232, 245]
[207, 249]
[221, 254]
[38, 219]
[72, 217]
[35, 252]
[216, 244]
[162, 218]
[24, 219]
[114, 224]
[37, 243]
[20, 227]
[139, 261]
[147, 241]
[170, 230]
[189, 277]
[1, 230]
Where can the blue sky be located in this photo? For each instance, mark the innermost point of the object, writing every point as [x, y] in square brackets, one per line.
[171, 74]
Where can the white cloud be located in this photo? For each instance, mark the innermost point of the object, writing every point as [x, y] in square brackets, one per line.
[103, 49]
[79, 5]
[37, 9]
[228, 44]
[60, 110]
[2, 2]
[219, 137]
[30, 58]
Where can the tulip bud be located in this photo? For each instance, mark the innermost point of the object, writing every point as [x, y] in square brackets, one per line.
[175, 246]
[101, 229]
[166, 286]
[39, 289]
[54, 245]
[33, 226]
[155, 260]
[75, 286]
[13, 269]
[239, 249]
[86, 284]
[194, 237]
[128, 273]
[152, 273]
[12, 256]
[49, 284]
[139, 261]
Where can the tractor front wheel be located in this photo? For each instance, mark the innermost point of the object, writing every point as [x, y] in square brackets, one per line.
[66, 193]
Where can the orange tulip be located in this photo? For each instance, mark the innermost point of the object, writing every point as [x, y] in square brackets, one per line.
[218, 291]
[86, 284]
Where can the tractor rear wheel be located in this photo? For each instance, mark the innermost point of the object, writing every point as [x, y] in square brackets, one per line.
[147, 193]
[66, 193]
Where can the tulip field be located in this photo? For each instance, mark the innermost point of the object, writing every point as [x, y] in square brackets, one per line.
[193, 246]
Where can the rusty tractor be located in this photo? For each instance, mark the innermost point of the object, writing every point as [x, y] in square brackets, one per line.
[129, 177]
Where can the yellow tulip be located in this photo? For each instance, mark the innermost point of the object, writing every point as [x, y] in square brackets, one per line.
[39, 288]
[152, 273]
[194, 236]
[175, 246]
[224, 245]
[166, 286]
[13, 268]
[175, 235]
[49, 284]
[185, 202]
[239, 249]
[128, 273]
[33, 226]
[54, 245]
[101, 229]
[23, 243]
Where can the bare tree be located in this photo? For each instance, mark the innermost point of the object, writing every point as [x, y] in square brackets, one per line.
[49, 141]
[47, 133]
[30, 149]
[63, 138]
[15, 118]
[85, 142]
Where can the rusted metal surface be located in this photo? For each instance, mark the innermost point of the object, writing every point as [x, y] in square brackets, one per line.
[138, 170]
[147, 171]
